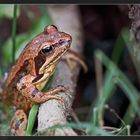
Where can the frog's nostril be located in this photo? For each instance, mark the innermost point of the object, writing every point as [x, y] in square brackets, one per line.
[61, 41]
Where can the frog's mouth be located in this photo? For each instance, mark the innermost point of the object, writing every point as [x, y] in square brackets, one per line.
[55, 61]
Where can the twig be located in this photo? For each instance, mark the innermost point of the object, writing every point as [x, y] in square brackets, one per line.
[99, 74]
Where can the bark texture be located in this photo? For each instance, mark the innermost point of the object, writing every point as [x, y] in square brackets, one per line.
[134, 14]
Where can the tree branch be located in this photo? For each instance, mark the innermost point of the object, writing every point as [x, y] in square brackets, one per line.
[53, 112]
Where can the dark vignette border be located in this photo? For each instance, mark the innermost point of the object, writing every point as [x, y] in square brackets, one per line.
[79, 2]
[70, 138]
[69, 1]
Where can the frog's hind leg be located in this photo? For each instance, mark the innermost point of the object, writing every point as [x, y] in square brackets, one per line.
[18, 123]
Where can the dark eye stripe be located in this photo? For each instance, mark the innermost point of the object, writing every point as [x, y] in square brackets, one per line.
[39, 61]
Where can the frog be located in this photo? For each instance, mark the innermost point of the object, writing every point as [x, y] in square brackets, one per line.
[31, 72]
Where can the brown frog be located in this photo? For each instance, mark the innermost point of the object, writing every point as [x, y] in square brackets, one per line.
[35, 65]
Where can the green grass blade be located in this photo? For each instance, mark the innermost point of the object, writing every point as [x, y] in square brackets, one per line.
[118, 49]
[31, 119]
[6, 10]
[119, 78]
[108, 87]
[133, 48]
[129, 116]
[84, 126]
[14, 32]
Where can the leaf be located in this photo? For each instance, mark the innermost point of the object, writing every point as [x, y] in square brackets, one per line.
[6, 10]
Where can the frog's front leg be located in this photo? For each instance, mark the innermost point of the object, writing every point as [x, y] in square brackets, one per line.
[29, 90]
[18, 123]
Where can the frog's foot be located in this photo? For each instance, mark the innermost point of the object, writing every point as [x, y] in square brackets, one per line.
[50, 94]
[18, 123]
[71, 55]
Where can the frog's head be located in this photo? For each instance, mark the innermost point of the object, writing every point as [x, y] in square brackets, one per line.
[55, 44]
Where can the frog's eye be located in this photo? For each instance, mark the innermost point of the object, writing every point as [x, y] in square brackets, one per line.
[47, 49]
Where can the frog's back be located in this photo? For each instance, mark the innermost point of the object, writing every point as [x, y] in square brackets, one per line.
[11, 96]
